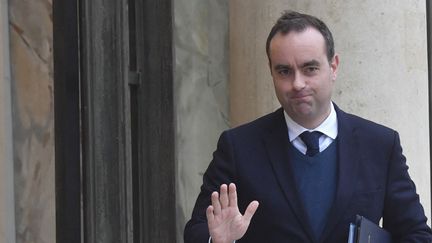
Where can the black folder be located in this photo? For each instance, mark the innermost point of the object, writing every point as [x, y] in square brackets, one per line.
[365, 231]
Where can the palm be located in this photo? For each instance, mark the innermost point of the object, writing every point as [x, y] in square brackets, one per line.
[225, 221]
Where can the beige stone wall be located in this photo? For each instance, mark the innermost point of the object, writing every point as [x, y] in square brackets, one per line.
[33, 119]
[383, 73]
[383, 77]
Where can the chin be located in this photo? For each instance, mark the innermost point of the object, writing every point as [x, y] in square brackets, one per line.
[300, 115]
[303, 110]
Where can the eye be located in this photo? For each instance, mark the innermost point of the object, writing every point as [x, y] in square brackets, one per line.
[310, 70]
[284, 72]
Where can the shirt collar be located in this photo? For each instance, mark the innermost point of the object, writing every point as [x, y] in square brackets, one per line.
[329, 126]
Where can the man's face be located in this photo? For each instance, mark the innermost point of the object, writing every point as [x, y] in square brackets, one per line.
[302, 76]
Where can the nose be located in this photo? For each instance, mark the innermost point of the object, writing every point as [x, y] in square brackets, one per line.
[299, 81]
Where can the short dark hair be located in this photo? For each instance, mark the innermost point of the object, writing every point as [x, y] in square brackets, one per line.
[294, 21]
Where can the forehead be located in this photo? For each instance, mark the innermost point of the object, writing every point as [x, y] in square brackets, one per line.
[308, 42]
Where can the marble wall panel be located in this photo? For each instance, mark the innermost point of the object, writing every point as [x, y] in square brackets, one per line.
[33, 119]
[201, 94]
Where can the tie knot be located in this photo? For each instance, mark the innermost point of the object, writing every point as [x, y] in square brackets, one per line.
[311, 139]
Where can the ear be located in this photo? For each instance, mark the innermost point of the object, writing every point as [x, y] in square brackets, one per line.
[270, 67]
[334, 66]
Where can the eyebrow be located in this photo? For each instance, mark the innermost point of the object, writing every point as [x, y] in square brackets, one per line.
[306, 64]
[282, 66]
[310, 63]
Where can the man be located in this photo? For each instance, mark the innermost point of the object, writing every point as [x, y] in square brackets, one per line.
[302, 173]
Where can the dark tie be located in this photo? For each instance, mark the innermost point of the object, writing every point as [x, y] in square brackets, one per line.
[311, 139]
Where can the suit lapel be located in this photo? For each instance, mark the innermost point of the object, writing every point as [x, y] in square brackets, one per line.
[277, 142]
[348, 162]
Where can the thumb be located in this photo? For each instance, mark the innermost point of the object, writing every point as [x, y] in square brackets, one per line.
[250, 210]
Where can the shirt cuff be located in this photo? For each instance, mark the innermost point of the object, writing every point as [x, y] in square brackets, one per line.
[210, 240]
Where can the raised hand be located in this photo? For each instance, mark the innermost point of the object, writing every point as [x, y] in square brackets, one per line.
[226, 223]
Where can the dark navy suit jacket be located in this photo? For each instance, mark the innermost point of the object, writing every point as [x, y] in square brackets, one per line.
[373, 181]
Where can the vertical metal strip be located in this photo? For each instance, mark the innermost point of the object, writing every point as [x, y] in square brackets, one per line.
[133, 114]
[67, 121]
[155, 121]
[105, 110]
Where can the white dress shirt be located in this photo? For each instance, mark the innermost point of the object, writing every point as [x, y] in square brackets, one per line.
[329, 128]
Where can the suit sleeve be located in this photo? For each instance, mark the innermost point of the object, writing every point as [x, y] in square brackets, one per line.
[220, 171]
[403, 214]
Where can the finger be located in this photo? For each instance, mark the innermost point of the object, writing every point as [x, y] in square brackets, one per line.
[232, 194]
[223, 196]
[250, 210]
[215, 203]
[210, 215]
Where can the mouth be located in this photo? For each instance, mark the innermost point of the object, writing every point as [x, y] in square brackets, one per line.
[300, 96]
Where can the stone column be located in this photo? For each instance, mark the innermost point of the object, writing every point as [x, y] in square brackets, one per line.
[383, 74]
[200, 93]
[7, 209]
